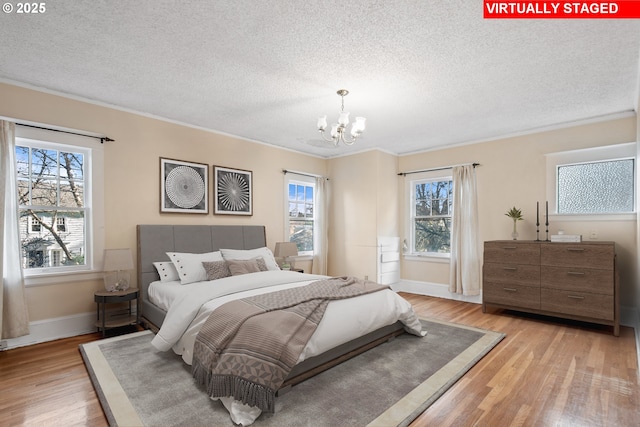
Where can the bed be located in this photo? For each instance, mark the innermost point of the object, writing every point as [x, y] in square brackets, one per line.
[178, 317]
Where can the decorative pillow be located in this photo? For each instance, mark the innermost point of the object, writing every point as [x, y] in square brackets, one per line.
[167, 271]
[238, 267]
[242, 255]
[216, 269]
[261, 264]
[189, 266]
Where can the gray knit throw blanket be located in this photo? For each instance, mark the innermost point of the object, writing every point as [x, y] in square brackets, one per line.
[247, 347]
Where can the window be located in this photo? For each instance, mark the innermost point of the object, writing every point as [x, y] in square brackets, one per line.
[35, 225]
[595, 181]
[54, 207]
[430, 218]
[300, 218]
[596, 187]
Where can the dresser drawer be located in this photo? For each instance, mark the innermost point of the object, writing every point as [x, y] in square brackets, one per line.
[595, 306]
[514, 295]
[578, 279]
[512, 273]
[578, 255]
[506, 252]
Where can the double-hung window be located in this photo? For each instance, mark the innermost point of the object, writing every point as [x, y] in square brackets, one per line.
[55, 210]
[430, 216]
[300, 217]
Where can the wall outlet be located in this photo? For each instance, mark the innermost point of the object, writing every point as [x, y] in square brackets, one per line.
[593, 235]
[366, 277]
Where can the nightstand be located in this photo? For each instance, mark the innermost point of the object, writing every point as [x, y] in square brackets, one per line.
[102, 298]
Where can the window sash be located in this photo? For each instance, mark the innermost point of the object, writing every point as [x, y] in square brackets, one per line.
[40, 244]
[300, 214]
[430, 234]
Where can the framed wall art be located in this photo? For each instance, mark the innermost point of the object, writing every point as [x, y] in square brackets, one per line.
[233, 191]
[184, 187]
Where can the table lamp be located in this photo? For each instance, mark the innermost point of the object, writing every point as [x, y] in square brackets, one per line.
[285, 254]
[117, 264]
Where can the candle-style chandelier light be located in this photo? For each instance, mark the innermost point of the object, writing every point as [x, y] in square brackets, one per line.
[338, 130]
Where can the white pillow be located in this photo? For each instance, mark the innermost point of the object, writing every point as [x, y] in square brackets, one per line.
[242, 255]
[167, 271]
[189, 266]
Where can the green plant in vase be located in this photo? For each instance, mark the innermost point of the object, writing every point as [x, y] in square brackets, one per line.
[515, 215]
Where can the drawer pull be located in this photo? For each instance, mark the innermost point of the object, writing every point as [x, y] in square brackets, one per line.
[575, 296]
[509, 268]
[509, 247]
[575, 273]
[575, 249]
[510, 289]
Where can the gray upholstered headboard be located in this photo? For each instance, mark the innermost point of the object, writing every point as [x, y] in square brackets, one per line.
[154, 241]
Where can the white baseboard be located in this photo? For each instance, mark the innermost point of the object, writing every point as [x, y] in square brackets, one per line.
[57, 328]
[433, 290]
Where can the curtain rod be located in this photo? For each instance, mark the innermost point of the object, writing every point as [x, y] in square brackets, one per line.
[437, 169]
[285, 171]
[101, 138]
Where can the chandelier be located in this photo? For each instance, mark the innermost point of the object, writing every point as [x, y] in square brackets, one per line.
[338, 129]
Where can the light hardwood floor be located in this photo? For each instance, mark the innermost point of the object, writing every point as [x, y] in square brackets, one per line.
[546, 372]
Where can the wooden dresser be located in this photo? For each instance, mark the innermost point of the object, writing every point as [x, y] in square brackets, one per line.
[570, 280]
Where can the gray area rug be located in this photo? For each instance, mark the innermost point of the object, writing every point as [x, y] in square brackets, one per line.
[389, 385]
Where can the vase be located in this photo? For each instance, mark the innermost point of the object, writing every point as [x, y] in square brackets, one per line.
[514, 235]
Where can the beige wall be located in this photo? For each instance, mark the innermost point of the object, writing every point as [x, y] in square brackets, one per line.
[367, 196]
[132, 179]
[364, 205]
[513, 173]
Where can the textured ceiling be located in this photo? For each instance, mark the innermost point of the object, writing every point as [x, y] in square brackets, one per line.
[425, 74]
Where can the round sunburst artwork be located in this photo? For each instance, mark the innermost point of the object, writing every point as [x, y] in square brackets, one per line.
[233, 192]
[185, 187]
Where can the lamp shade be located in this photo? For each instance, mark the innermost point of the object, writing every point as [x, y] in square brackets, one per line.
[322, 123]
[344, 118]
[358, 126]
[117, 259]
[285, 249]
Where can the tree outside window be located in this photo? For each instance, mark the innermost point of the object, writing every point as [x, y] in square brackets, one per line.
[431, 216]
[51, 197]
[301, 219]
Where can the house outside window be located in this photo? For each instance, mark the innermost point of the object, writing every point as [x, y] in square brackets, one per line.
[300, 216]
[54, 204]
[430, 216]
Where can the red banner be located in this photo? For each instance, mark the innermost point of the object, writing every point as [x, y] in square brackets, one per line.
[624, 9]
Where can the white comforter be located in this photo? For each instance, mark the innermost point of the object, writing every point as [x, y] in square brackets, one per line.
[344, 320]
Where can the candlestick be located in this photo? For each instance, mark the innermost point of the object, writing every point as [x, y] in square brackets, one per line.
[537, 221]
[547, 220]
[546, 215]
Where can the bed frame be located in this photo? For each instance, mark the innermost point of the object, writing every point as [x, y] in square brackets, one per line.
[155, 240]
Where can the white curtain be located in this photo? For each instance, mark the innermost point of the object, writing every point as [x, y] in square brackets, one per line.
[321, 234]
[465, 269]
[13, 307]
